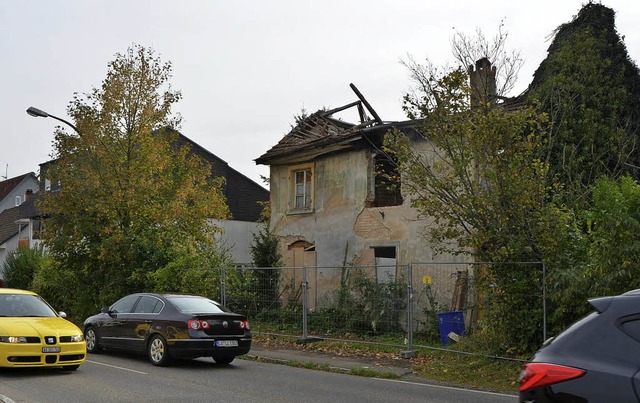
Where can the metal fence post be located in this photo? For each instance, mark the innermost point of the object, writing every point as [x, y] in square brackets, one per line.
[223, 291]
[544, 302]
[409, 352]
[304, 285]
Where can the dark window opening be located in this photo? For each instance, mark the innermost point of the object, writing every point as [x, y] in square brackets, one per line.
[36, 229]
[385, 251]
[386, 182]
[385, 263]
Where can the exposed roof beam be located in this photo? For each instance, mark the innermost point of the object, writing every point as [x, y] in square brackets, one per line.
[366, 104]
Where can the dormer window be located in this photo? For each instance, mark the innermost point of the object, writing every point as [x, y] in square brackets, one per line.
[18, 200]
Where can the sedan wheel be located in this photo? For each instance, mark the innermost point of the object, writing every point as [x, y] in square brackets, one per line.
[223, 360]
[157, 351]
[91, 338]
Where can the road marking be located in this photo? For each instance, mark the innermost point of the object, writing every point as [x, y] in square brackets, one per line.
[483, 392]
[116, 367]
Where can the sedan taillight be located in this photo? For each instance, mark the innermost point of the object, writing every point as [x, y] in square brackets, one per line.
[537, 375]
[244, 324]
[197, 324]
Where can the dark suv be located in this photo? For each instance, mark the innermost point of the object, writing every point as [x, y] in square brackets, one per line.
[597, 359]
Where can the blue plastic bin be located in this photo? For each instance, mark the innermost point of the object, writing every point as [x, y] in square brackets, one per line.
[450, 322]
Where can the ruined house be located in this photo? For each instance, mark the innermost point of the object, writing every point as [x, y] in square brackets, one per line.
[337, 199]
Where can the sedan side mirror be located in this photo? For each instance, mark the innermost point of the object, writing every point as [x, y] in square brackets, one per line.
[62, 314]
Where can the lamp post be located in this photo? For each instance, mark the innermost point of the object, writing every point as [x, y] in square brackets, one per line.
[42, 114]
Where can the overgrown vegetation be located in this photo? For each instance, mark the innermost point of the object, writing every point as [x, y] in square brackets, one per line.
[361, 306]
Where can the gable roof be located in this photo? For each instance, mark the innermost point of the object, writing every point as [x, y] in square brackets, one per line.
[243, 194]
[8, 218]
[7, 186]
[8, 226]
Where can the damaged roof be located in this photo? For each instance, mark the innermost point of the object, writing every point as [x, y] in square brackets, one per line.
[321, 133]
[316, 131]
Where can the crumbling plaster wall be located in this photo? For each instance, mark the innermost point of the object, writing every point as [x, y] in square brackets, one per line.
[340, 223]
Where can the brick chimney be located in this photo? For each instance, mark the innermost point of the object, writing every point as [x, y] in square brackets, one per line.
[482, 80]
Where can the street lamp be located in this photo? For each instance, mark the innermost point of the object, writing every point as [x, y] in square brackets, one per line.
[42, 114]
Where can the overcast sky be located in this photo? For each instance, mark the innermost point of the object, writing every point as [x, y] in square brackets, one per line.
[245, 68]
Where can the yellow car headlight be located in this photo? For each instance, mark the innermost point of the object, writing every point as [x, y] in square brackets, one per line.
[13, 339]
[77, 338]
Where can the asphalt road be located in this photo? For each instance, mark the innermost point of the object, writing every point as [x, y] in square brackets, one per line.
[119, 377]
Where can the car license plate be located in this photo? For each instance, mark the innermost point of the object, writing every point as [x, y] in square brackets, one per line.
[50, 349]
[227, 343]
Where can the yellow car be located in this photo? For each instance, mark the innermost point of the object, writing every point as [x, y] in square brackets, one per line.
[32, 334]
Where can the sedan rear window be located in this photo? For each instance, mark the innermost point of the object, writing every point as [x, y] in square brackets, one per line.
[195, 305]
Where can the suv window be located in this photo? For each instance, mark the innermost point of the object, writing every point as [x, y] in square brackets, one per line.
[631, 327]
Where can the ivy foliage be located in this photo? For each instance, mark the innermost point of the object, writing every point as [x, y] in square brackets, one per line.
[590, 88]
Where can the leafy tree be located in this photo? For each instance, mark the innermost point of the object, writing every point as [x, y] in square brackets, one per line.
[613, 224]
[132, 200]
[591, 90]
[478, 178]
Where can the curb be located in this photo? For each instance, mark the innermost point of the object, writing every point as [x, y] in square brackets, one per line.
[4, 399]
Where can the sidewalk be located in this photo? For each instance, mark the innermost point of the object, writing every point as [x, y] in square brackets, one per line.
[385, 367]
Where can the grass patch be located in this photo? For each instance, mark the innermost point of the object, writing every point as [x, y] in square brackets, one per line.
[472, 371]
[370, 373]
[466, 370]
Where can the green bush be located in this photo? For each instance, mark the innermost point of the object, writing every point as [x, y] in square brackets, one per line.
[21, 266]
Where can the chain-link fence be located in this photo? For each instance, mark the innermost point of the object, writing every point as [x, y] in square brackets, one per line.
[421, 305]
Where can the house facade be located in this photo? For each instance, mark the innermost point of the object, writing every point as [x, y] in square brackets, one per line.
[336, 198]
[14, 191]
[18, 224]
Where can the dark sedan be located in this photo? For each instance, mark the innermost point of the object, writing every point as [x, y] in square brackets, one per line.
[594, 360]
[166, 326]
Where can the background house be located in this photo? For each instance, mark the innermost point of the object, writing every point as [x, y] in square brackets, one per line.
[16, 211]
[14, 191]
